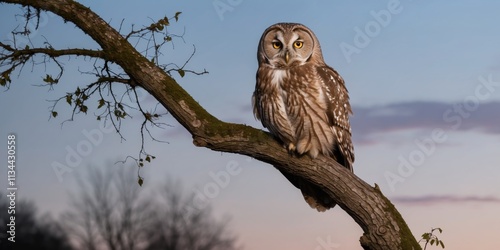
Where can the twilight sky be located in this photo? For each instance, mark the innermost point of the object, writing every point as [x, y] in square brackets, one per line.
[424, 82]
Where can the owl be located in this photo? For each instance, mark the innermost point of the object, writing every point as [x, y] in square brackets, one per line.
[302, 101]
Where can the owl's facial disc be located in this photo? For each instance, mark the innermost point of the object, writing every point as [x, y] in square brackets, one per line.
[285, 48]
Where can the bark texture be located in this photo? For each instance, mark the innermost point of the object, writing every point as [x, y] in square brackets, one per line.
[383, 226]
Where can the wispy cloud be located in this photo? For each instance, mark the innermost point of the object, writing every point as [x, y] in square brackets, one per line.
[443, 199]
[395, 117]
[367, 121]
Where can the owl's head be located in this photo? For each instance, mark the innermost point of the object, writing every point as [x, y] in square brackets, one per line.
[285, 45]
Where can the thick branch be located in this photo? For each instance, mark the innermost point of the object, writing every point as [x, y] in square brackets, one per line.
[382, 225]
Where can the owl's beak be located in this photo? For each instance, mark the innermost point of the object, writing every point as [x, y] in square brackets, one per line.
[287, 57]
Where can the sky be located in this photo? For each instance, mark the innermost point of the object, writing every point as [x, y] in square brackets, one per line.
[424, 83]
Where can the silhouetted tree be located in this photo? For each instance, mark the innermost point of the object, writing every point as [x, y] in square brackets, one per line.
[107, 211]
[180, 223]
[110, 211]
[32, 231]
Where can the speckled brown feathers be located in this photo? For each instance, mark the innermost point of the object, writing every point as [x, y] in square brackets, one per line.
[301, 100]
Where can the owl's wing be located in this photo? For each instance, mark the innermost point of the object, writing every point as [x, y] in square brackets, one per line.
[338, 111]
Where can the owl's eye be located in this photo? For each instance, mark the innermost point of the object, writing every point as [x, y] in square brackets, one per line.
[277, 45]
[298, 44]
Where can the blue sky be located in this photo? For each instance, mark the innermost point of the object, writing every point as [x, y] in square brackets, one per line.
[425, 89]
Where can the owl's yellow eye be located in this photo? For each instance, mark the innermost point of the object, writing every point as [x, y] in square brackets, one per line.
[298, 44]
[277, 45]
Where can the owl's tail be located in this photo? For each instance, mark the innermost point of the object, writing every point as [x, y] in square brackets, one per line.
[314, 196]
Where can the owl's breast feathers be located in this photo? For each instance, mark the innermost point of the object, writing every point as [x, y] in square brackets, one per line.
[307, 108]
[269, 106]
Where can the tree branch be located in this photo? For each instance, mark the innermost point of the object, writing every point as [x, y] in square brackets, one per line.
[383, 226]
[49, 52]
[13, 58]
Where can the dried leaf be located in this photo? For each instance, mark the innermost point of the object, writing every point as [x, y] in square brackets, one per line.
[177, 15]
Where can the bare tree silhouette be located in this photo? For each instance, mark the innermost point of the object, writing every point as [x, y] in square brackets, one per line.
[107, 212]
[110, 211]
[181, 224]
